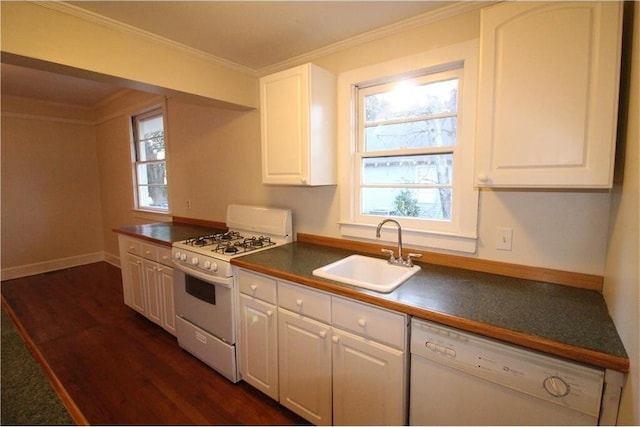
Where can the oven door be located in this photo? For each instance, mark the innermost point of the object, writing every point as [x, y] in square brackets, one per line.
[206, 302]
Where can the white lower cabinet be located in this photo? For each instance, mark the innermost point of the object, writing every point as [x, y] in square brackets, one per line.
[259, 344]
[369, 364]
[258, 335]
[339, 361]
[133, 283]
[168, 305]
[147, 280]
[305, 366]
[368, 382]
[153, 291]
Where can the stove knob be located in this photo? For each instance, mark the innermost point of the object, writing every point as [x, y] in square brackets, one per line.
[183, 257]
[214, 266]
[195, 260]
[176, 255]
[207, 265]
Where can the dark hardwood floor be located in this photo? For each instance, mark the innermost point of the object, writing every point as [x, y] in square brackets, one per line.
[113, 366]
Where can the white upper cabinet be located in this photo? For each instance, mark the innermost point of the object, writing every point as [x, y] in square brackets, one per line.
[548, 94]
[297, 115]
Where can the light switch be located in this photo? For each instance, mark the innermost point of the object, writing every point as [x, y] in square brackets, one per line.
[504, 238]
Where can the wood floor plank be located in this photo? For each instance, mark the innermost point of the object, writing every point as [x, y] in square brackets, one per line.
[117, 366]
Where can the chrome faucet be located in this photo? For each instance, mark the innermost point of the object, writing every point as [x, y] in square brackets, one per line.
[400, 259]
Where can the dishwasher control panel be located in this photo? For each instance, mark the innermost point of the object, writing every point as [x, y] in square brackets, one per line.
[547, 377]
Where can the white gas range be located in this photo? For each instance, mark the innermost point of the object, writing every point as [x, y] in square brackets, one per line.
[204, 290]
[251, 229]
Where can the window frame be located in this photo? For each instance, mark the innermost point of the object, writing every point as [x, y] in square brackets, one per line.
[155, 111]
[459, 234]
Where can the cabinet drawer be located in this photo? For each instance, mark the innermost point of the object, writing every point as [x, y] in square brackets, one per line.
[134, 247]
[150, 252]
[307, 302]
[257, 286]
[371, 322]
[164, 256]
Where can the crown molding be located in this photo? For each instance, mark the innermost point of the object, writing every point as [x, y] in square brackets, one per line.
[78, 12]
[455, 8]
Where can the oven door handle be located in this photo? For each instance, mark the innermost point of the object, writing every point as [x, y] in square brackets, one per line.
[223, 281]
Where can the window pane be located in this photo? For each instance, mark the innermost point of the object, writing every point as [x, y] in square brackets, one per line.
[151, 149]
[152, 185]
[150, 126]
[419, 134]
[150, 139]
[152, 197]
[152, 173]
[423, 169]
[406, 101]
[428, 203]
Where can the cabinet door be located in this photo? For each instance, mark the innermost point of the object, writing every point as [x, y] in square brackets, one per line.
[297, 116]
[258, 345]
[168, 306]
[369, 386]
[135, 280]
[153, 291]
[548, 94]
[305, 366]
[285, 124]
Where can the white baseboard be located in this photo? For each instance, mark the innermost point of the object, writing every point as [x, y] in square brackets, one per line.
[112, 259]
[56, 264]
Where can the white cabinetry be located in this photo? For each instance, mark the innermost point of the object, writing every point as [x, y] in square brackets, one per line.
[548, 94]
[147, 280]
[132, 274]
[331, 360]
[168, 308]
[369, 365]
[258, 336]
[305, 352]
[297, 115]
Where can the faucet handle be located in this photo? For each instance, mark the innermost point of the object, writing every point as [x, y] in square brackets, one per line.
[388, 252]
[410, 261]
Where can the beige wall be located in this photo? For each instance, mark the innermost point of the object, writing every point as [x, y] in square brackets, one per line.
[113, 136]
[50, 196]
[622, 274]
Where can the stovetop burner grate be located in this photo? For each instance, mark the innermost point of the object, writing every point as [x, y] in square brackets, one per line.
[230, 243]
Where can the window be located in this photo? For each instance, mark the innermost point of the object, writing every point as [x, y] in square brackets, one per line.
[406, 142]
[406, 148]
[149, 162]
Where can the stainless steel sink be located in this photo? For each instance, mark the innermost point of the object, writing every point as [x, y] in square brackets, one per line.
[367, 272]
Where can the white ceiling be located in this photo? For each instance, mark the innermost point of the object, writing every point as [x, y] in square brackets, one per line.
[257, 34]
[252, 35]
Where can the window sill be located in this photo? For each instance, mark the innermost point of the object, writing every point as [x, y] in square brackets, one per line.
[152, 215]
[418, 239]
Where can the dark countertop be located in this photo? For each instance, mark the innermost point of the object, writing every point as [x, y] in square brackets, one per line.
[570, 322]
[165, 233]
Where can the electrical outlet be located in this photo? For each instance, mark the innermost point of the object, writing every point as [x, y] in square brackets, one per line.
[504, 238]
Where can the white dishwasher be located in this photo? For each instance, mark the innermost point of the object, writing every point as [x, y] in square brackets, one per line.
[459, 378]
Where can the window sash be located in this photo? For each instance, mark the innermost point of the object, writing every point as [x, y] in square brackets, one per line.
[362, 153]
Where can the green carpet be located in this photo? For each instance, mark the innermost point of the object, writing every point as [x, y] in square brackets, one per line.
[27, 395]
